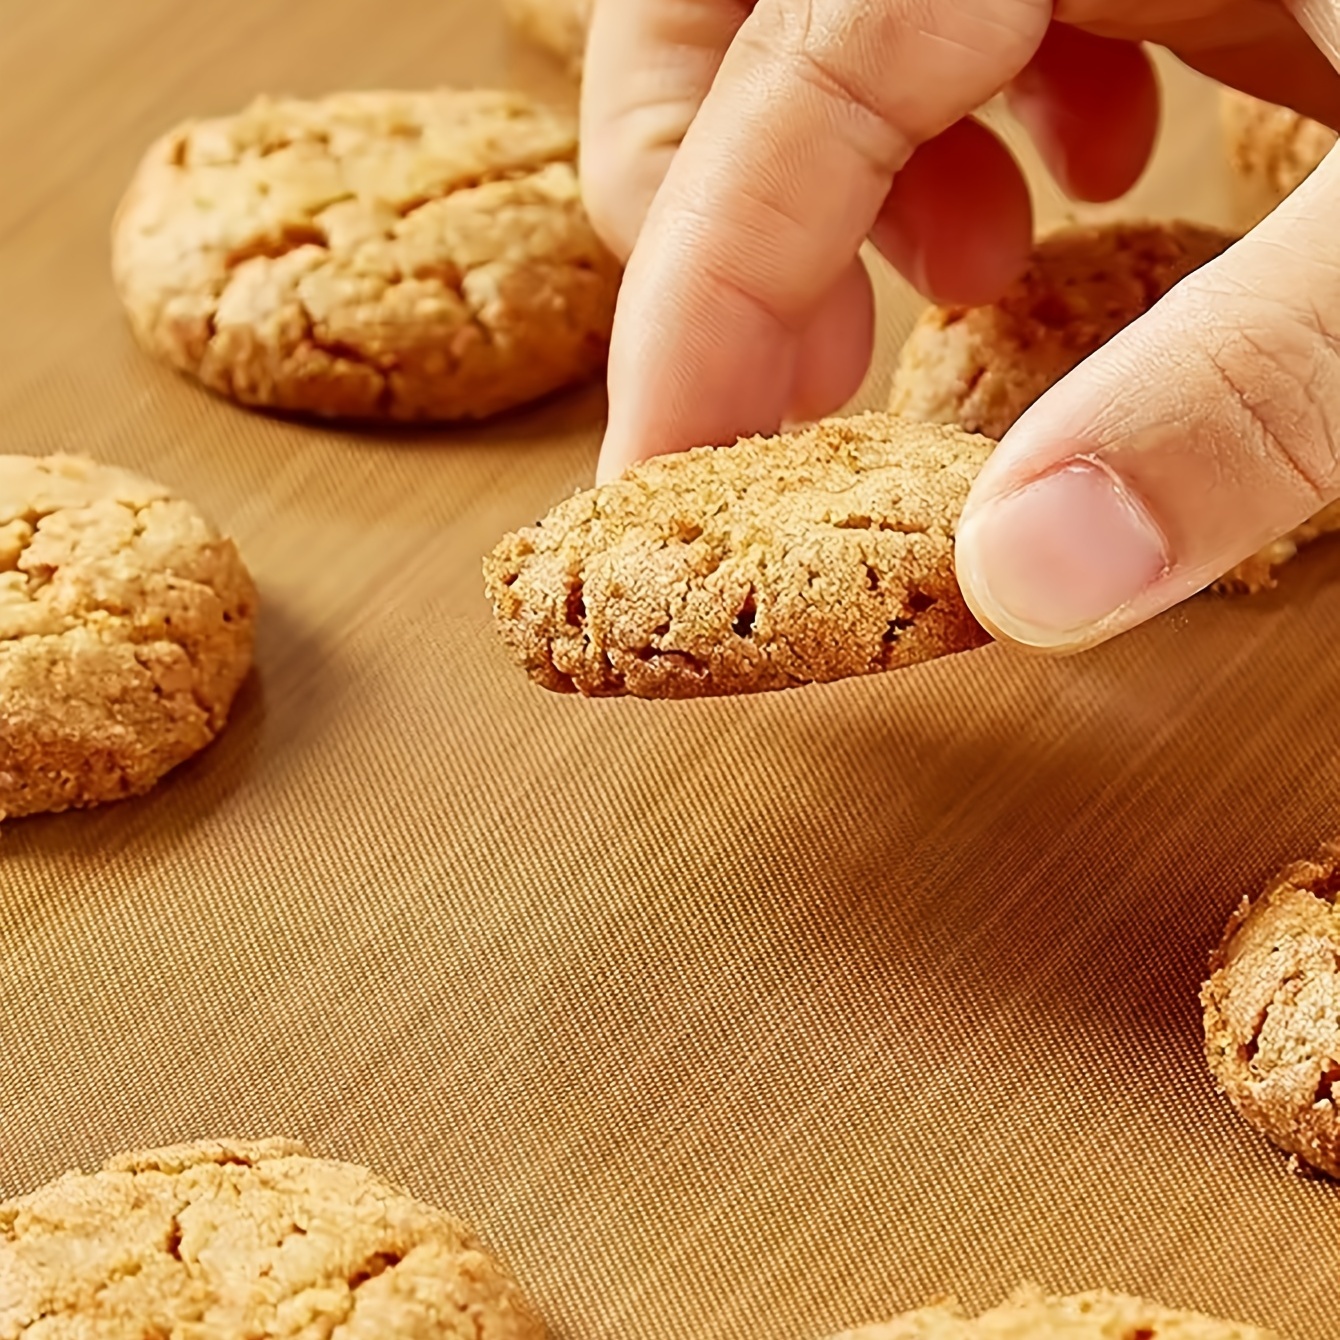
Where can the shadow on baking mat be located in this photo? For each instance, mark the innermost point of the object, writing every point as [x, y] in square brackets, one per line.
[564, 412]
[281, 701]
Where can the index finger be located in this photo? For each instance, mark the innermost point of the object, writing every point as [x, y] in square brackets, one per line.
[817, 103]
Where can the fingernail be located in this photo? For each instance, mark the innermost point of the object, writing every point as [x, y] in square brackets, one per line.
[1050, 564]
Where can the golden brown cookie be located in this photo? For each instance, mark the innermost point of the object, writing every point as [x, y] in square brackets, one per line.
[1272, 1012]
[1030, 1315]
[560, 26]
[233, 1241]
[393, 256]
[982, 367]
[1272, 151]
[126, 626]
[819, 555]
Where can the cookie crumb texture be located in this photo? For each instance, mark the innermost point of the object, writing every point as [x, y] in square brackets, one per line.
[777, 562]
[233, 1241]
[1272, 1012]
[982, 367]
[126, 628]
[560, 26]
[1272, 150]
[1030, 1315]
[369, 256]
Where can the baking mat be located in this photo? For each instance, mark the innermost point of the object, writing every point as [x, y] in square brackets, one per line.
[737, 1019]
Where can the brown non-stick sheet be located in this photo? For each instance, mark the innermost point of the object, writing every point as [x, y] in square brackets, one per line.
[742, 1019]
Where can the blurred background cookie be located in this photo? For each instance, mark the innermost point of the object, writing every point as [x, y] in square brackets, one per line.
[1272, 1012]
[810, 557]
[1031, 1315]
[393, 256]
[1272, 150]
[982, 367]
[560, 26]
[126, 627]
[234, 1240]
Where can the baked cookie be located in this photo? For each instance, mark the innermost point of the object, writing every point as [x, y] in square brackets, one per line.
[1271, 149]
[1030, 1315]
[369, 256]
[982, 367]
[236, 1241]
[560, 26]
[1272, 1012]
[810, 557]
[126, 625]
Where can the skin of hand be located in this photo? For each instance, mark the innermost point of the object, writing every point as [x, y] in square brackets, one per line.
[740, 152]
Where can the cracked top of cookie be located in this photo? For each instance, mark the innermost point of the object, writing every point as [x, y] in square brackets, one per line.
[243, 1241]
[982, 367]
[92, 555]
[818, 555]
[377, 244]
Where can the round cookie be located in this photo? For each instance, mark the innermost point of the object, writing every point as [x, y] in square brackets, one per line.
[245, 1242]
[560, 26]
[815, 556]
[1031, 1315]
[1272, 151]
[1272, 1012]
[982, 367]
[126, 628]
[369, 256]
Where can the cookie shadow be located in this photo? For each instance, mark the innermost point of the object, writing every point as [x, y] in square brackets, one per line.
[564, 412]
[288, 681]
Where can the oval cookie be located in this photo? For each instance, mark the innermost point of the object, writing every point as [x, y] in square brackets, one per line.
[240, 1241]
[369, 256]
[1032, 1315]
[810, 557]
[982, 367]
[1272, 1012]
[126, 627]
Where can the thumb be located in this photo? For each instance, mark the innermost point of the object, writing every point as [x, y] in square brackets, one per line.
[1200, 433]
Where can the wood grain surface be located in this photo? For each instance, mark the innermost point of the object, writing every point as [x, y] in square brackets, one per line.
[742, 1019]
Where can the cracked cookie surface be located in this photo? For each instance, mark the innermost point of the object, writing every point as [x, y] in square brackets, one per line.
[560, 26]
[245, 1241]
[1031, 1315]
[982, 367]
[814, 556]
[1272, 151]
[369, 256]
[1272, 1012]
[126, 627]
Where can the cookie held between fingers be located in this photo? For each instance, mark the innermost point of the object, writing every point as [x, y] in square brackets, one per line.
[1272, 151]
[1030, 1315]
[369, 256]
[1272, 1012]
[982, 367]
[239, 1241]
[560, 26]
[815, 556]
[126, 628]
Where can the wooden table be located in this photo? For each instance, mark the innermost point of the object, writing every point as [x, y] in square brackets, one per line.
[737, 1019]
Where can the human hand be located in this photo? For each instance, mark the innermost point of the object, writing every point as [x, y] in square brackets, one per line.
[745, 303]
